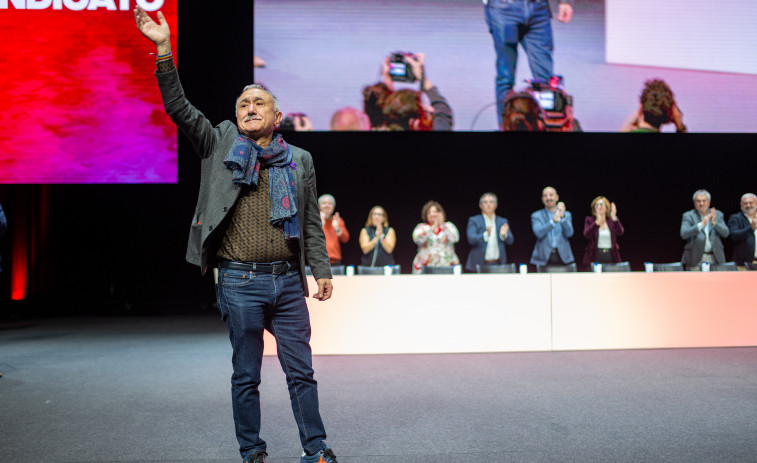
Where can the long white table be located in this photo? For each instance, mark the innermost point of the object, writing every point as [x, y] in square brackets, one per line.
[533, 312]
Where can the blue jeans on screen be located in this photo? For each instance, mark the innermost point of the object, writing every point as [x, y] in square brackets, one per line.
[249, 303]
[519, 21]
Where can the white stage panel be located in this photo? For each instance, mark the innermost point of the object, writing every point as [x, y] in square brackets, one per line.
[431, 314]
[685, 34]
[654, 310]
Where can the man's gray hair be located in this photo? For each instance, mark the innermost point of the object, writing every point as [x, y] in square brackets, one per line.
[261, 87]
[488, 194]
[326, 196]
[747, 195]
[701, 192]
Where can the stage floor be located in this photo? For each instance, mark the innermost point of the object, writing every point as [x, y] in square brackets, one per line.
[156, 389]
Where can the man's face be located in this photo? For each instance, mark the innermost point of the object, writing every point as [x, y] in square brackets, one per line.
[749, 205]
[488, 205]
[256, 114]
[549, 197]
[702, 204]
[326, 206]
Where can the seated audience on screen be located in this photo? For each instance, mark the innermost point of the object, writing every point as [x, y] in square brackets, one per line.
[405, 110]
[522, 113]
[487, 235]
[742, 227]
[349, 119]
[377, 239]
[435, 238]
[658, 107]
[601, 230]
[703, 229]
[553, 226]
[333, 228]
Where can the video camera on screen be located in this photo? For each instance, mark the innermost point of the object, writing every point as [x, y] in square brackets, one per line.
[556, 103]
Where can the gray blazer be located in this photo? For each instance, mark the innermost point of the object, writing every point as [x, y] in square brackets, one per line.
[695, 238]
[218, 193]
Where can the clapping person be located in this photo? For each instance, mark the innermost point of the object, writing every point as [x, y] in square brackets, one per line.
[377, 239]
[333, 228]
[435, 238]
[487, 234]
[553, 227]
[703, 229]
[742, 227]
[601, 230]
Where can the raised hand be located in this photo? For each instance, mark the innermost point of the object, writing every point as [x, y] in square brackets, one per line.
[613, 212]
[335, 223]
[159, 34]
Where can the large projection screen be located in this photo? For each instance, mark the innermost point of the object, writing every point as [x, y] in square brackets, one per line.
[319, 54]
[78, 97]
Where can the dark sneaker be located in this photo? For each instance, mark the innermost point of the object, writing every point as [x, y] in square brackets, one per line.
[324, 456]
[255, 458]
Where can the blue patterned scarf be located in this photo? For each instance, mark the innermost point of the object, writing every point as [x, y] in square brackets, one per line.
[245, 158]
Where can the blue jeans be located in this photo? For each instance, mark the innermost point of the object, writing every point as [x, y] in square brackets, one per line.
[249, 303]
[519, 21]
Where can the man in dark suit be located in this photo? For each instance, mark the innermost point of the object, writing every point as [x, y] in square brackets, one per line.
[487, 235]
[703, 229]
[255, 222]
[743, 231]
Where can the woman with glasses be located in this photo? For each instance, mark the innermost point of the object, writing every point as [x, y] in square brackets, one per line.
[602, 230]
[377, 239]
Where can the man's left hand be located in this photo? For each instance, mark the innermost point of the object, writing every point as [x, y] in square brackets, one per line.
[325, 288]
[564, 12]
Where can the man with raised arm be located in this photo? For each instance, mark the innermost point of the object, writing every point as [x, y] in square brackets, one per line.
[255, 222]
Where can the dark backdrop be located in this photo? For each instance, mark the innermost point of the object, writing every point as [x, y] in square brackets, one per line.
[120, 248]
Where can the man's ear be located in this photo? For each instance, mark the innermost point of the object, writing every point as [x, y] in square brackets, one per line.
[278, 118]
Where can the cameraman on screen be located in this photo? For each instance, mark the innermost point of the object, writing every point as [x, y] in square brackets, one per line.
[658, 107]
[522, 113]
[403, 109]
